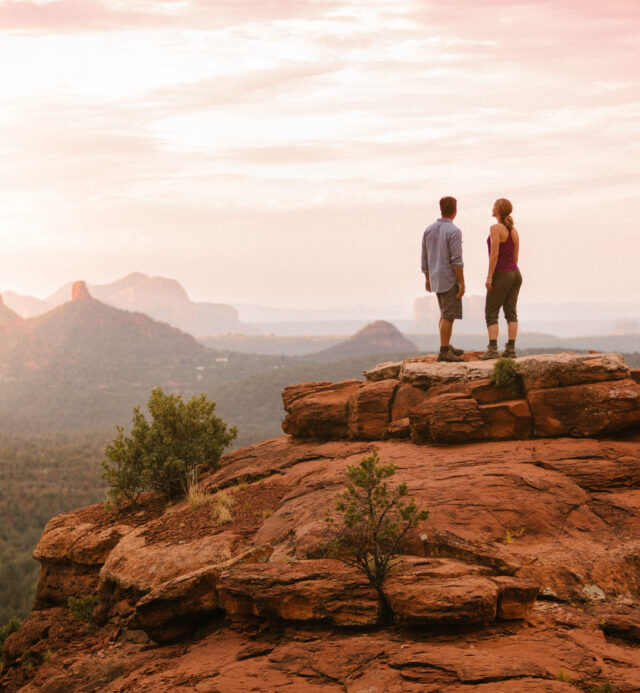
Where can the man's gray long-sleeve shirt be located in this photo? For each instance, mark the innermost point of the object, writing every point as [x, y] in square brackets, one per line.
[441, 253]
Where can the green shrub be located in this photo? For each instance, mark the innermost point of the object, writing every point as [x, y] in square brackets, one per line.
[7, 629]
[602, 688]
[504, 373]
[27, 660]
[374, 523]
[81, 608]
[182, 439]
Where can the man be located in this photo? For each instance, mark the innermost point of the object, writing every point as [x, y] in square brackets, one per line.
[443, 270]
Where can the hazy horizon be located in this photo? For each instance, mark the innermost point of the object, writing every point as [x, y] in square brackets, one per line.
[291, 154]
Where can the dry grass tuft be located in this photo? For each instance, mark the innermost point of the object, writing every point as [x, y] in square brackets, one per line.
[196, 497]
[222, 504]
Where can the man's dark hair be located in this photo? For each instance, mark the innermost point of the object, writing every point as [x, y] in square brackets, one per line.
[448, 206]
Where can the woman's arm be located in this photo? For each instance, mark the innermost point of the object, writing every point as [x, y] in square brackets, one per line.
[493, 255]
[516, 245]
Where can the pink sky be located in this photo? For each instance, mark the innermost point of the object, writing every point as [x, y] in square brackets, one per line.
[291, 153]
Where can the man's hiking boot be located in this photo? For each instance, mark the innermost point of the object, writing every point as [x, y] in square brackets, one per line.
[457, 352]
[449, 355]
[490, 353]
[509, 352]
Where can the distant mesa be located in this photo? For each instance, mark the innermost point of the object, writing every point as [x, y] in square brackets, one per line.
[158, 297]
[79, 292]
[379, 337]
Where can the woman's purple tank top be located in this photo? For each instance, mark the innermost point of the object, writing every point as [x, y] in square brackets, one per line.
[506, 261]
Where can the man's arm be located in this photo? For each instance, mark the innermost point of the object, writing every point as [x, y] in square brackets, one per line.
[425, 263]
[455, 258]
[460, 277]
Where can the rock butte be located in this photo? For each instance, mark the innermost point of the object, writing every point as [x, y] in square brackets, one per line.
[525, 577]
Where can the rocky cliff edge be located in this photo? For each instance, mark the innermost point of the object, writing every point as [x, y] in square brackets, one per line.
[525, 577]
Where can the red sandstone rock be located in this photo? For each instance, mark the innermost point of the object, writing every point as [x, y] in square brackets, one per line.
[79, 291]
[586, 410]
[562, 370]
[400, 428]
[506, 420]
[136, 567]
[168, 611]
[293, 392]
[451, 601]
[72, 552]
[516, 597]
[484, 392]
[425, 374]
[388, 370]
[370, 408]
[561, 514]
[320, 590]
[448, 418]
[623, 623]
[34, 629]
[634, 374]
[320, 413]
[405, 399]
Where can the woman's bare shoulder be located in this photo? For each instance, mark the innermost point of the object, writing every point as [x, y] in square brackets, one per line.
[495, 228]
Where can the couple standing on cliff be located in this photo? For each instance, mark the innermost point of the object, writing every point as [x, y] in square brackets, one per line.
[443, 270]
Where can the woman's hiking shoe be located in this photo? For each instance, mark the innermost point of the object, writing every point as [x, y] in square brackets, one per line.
[457, 352]
[490, 353]
[509, 353]
[450, 355]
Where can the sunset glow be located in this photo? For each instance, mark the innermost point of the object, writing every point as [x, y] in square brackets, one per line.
[291, 153]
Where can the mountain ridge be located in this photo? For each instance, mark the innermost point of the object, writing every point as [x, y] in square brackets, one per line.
[161, 298]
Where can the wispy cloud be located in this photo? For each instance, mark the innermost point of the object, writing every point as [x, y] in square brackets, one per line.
[159, 118]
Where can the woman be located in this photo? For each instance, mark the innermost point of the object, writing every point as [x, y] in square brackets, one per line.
[503, 281]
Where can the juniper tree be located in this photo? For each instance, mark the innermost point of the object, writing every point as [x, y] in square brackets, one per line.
[182, 439]
[373, 524]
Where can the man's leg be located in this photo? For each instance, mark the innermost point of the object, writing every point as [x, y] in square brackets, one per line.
[446, 328]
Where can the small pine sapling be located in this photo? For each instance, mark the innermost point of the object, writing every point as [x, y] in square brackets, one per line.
[373, 524]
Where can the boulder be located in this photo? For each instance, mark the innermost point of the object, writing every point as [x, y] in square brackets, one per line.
[67, 539]
[450, 601]
[448, 418]
[34, 629]
[586, 410]
[137, 566]
[71, 552]
[506, 420]
[370, 409]
[634, 374]
[485, 392]
[405, 399]
[623, 624]
[319, 412]
[309, 590]
[516, 597]
[563, 370]
[425, 374]
[169, 611]
[389, 370]
[400, 428]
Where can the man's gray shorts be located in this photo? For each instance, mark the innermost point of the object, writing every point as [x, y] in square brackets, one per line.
[450, 306]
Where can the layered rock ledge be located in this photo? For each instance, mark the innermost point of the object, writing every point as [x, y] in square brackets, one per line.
[552, 395]
[525, 577]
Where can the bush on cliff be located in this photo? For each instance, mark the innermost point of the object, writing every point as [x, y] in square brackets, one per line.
[504, 373]
[182, 439]
[374, 523]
